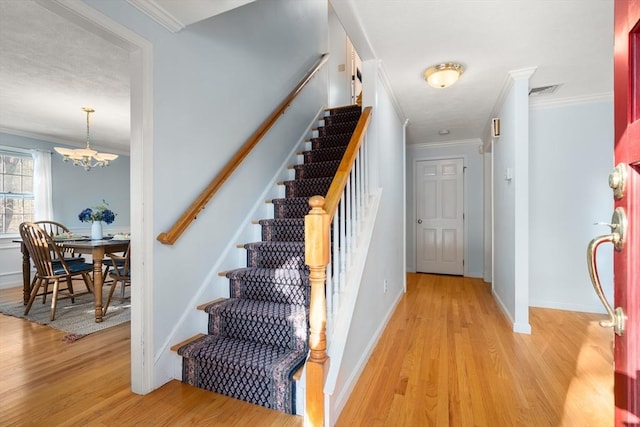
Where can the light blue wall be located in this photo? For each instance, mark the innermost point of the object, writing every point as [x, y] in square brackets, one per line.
[214, 83]
[74, 189]
[504, 208]
[571, 156]
[473, 198]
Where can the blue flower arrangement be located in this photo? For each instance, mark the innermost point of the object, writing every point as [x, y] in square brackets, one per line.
[98, 213]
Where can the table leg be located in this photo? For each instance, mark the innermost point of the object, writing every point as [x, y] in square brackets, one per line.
[97, 255]
[26, 273]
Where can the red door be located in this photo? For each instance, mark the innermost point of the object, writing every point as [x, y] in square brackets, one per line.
[627, 258]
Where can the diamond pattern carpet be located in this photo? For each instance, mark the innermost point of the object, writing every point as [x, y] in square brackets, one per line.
[258, 337]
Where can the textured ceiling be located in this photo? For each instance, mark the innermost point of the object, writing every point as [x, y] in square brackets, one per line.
[50, 67]
[570, 42]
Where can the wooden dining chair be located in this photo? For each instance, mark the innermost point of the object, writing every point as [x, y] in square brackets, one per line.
[120, 272]
[57, 230]
[51, 266]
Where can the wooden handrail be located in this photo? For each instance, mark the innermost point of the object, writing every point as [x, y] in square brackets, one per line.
[334, 193]
[171, 236]
[317, 228]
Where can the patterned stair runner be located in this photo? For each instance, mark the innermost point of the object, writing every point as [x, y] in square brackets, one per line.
[258, 337]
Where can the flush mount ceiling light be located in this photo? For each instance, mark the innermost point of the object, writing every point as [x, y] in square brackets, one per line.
[443, 75]
[85, 156]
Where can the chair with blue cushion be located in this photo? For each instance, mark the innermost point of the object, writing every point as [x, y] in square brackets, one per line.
[51, 266]
[120, 272]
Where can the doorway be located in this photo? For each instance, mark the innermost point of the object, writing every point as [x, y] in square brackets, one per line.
[141, 178]
[440, 216]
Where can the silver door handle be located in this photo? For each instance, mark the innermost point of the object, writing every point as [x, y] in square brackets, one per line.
[419, 221]
[617, 317]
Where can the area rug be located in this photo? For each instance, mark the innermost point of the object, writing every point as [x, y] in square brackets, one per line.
[77, 319]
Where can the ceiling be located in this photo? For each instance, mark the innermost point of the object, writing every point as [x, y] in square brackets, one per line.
[50, 67]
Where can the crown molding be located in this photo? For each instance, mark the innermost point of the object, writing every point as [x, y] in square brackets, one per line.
[158, 14]
[440, 144]
[67, 143]
[567, 102]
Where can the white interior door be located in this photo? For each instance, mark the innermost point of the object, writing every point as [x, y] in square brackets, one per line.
[439, 216]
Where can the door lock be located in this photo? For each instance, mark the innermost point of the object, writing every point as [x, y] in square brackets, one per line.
[617, 180]
[617, 317]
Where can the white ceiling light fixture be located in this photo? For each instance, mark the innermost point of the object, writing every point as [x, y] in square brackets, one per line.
[443, 75]
[85, 156]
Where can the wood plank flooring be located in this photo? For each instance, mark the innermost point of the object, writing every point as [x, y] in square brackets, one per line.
[447, 358]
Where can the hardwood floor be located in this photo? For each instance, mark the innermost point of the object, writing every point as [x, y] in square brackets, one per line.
[447, 358]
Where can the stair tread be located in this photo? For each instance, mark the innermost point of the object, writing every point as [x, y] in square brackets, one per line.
[309, 180]
[317, 164]
[175, 347]
[281, 220]
[201, 307]
[281, 246]
[240, 353]
[272, 273]
[326, 149]
[265, 310]
[291, 200]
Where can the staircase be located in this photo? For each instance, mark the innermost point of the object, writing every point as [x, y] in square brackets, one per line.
[258, 338]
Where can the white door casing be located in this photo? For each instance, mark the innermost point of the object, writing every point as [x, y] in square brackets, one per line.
[440, 216]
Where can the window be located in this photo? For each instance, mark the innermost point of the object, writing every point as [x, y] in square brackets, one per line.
[16, 190]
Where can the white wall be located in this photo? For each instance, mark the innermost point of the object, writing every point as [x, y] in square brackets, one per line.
[473, 198]
[73, 189]
[571, 156]
[339, 63]
[214, 83]
[511, 199]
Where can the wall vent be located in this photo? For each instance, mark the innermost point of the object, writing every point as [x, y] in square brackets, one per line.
[543, 90]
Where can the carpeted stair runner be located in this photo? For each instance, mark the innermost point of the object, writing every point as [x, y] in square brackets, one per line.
[258, 337]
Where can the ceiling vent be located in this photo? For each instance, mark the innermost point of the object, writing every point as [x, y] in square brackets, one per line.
[543, 90]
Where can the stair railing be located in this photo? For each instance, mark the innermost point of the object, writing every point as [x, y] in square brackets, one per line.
[331, 228]
[189, 215]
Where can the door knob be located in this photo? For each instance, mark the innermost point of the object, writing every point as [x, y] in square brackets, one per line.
[419, 221]
[617, 180]
[617, 317]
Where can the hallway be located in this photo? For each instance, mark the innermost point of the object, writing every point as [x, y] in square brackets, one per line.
[448, 358]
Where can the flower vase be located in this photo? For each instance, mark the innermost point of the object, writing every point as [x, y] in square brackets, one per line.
[96, 230]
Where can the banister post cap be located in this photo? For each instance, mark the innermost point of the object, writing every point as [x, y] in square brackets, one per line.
[316, 202]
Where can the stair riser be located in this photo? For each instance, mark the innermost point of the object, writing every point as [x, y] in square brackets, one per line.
[284, 333]
[343, 110]
[307, 187]
[336, 129]
[324, 155]
[270, 259]
[233, 383]
[293, 209]
[279, 293]
[319, 143]
[342, 118]
[282, 233]
[317, 170]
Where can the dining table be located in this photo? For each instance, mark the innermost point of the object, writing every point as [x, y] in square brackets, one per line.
[96, 248]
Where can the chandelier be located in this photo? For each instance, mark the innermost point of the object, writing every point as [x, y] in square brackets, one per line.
[86, 157]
